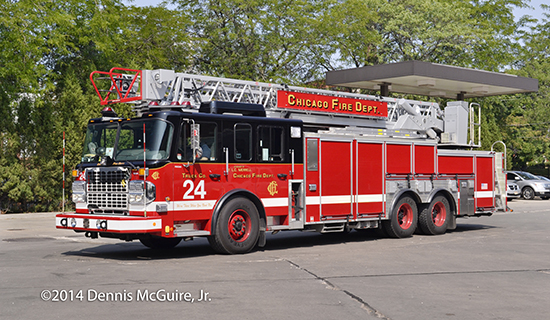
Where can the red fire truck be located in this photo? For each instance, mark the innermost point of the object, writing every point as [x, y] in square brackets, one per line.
[231, 160]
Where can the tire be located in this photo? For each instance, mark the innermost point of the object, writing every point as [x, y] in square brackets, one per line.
[237, 229]
[155, 242]
[403, 219]
[433, 218]
[528, 193]
[545, 198]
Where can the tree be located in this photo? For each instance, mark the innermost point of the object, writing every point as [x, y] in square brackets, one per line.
[523, 119]
[48, 48]
[260, 39]
[477, 34]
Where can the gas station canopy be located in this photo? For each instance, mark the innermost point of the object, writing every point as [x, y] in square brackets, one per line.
[431, 79]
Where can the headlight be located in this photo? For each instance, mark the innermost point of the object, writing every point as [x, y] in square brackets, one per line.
[135, 195]
[79, 191]
[151, 192]
[79, 186]
[79, 197]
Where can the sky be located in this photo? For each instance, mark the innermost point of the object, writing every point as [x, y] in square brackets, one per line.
[536, 12]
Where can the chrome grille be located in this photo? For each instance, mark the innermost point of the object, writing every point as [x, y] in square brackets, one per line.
[107, 189]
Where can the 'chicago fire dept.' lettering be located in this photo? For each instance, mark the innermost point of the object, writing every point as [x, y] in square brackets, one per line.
[252, 175]
[314, 102]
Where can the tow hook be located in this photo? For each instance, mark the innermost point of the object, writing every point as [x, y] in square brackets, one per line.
[91, 235]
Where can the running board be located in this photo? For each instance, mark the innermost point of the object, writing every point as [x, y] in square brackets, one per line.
[332, 227]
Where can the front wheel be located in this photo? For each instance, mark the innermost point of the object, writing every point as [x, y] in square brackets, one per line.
[528, 193]
[433, 218]
[403, 219]
[237, 228]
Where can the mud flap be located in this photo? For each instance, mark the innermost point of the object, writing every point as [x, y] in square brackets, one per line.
[261, 238]
[451, 224]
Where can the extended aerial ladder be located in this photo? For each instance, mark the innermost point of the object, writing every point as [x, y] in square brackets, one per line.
[161, 89]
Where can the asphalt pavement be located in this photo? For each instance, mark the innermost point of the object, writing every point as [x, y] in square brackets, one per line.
[494, 267]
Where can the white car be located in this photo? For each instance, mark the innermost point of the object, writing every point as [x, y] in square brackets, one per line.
[530, 184]
[513, 191]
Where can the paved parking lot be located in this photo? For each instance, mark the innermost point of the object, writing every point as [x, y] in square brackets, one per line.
[488, 268]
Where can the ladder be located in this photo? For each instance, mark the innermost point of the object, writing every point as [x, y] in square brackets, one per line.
[161, 89]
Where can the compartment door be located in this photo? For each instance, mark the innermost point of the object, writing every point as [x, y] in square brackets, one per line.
[336, 180]
[484, 183]
[370, 197]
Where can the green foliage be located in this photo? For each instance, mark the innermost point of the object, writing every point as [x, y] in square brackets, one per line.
[523, 120]
[264, 40]
[48, 48]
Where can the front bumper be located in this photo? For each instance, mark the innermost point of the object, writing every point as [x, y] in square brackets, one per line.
[513, 194]
[108, 223]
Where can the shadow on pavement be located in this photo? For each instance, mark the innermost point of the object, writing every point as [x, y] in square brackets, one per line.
[281, 241]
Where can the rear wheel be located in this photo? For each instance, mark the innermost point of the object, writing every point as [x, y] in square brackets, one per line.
[433, 218]
[237, 228]
[155, 242]
[528, 193]
[403, 220]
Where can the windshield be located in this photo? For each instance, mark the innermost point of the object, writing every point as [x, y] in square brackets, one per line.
[101, 141]
[527, 176]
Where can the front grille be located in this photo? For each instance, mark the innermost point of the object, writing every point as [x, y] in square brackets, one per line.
[104, 180]
[107, 189]
[114, 201]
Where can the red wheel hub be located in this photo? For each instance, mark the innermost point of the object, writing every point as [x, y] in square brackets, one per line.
[405, 216]
[439, 214]
[239, 225]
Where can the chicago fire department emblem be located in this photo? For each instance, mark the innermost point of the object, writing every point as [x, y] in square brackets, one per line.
[272, 188]
[155, 175]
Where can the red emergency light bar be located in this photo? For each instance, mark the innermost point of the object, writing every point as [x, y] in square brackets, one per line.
[121, 84]
[331, 104]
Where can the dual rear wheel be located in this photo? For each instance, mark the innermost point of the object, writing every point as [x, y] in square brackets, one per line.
[405, 218]
[433, 218]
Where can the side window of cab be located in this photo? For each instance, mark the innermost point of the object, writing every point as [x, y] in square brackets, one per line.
[208, 142]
